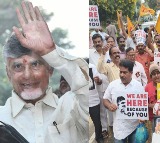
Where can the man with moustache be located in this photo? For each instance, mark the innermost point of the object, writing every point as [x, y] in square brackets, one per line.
[33, 109]
[122, 46]
[100, 79]
[123, 129]
[110, 42]
[138, 69]
[111, 70]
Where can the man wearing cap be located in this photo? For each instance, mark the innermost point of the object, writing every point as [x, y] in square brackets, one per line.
[144, 56]
[151, 88]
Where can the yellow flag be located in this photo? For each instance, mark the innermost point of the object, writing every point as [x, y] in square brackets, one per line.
[118, 21]
[130, 26]
[145, 10]
[158, 91]
[157, 27]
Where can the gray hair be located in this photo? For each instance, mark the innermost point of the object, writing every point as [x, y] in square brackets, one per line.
[14, 49]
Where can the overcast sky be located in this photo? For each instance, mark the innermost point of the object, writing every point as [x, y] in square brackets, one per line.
[71, 15]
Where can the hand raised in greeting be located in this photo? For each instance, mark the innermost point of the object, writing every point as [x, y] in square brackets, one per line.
[35, 33]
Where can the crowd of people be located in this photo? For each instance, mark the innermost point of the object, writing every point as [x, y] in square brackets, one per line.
[120, 62]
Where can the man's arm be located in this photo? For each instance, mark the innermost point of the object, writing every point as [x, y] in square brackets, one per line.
[112, 107]
[107, 98]
[74, 70]
[101, 66]
[150, 52]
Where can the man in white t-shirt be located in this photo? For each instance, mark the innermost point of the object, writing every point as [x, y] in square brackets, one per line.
[123, 129]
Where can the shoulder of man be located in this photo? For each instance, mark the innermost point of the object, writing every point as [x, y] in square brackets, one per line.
[115, 82]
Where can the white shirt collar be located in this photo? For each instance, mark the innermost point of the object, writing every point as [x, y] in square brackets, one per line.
[17, 103]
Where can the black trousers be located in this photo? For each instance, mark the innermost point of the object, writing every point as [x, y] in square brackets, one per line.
[95, 116]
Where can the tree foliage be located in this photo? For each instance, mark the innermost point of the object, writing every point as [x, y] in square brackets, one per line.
[108, 8]
[59, 37]
[152, 4]
[8, 19]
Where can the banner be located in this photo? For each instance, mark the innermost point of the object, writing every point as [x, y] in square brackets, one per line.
[93, 17]
[157, 27]
[157, 58]
[145, 10]
[132, 106]
[130, 26]
[140, 36]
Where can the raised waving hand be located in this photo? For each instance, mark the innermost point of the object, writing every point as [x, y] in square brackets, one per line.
[35, 34]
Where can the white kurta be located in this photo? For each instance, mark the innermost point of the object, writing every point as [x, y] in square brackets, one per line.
[70, 112]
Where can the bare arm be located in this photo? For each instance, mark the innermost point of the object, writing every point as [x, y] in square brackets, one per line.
[112, 107]
[149, 51]
[101, 66]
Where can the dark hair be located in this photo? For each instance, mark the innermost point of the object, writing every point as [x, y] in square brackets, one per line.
[110, 53]
[127, 64]
[62, 78]
[118, 38]
[146, 29]
[108, 21]
[120, 98]
[95, 36]
[14, 49]
[86, 59]
[110, 37]
[129, 49]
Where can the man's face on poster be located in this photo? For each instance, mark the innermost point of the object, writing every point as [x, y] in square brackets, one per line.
[121, 106]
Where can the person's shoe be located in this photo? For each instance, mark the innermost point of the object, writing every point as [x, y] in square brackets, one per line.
[105, 134]
[100, 140]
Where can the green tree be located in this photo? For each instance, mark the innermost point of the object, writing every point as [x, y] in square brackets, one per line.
[59, 37]
[152, 4]
[108, 8]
